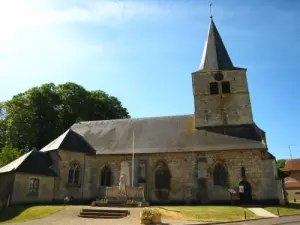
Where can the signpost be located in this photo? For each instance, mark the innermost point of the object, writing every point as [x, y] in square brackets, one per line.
[231, 192]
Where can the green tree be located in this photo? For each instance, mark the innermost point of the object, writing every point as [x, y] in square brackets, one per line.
[3, 126]
[280, 163]
[31, 117]
[2, 133]
[34, 118]
[8, 154]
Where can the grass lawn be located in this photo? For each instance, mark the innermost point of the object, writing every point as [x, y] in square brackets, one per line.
[291, 209]
[205, 213]
[24, 213]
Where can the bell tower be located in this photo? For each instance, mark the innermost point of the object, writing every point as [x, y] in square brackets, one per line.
[221, 95]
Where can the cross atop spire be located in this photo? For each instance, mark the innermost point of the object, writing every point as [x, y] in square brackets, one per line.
[215, 56]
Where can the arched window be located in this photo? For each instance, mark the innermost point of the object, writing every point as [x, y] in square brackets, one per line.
[105, 177]
[162, 177]
[74, 172]
[220, 175]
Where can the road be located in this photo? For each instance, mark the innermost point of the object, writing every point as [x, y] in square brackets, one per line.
[288, 220]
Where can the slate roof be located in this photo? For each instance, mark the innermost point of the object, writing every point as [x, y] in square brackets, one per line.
[292, 185]
[69, 140]
[33, 162]
[163, 134]
[215, 55]
[292, 165]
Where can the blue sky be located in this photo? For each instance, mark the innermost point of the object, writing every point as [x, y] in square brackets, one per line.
[144, 51]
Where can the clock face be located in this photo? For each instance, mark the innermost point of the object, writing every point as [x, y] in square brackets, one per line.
[219, 76]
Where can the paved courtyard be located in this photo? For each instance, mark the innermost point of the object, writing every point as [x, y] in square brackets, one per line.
[69, 216]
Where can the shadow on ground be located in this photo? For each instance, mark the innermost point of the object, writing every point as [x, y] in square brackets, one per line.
[292, 206]
[11, 212]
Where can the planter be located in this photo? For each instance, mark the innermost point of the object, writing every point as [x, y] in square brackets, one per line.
[156, 219]
[146, 221]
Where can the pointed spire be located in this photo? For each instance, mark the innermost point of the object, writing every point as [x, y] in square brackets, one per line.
[215, 56]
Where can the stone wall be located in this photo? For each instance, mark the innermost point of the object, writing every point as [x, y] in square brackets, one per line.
[294, 194]
[63, 160]
[223, 109]
[188, 170]
[21, 188]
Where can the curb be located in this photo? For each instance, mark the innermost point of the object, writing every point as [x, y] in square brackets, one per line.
[238, 221]
[289, 215]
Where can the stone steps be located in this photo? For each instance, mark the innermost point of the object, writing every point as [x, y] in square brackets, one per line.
[104, 214]
[101, 217]
[105, 211]
[114, 203]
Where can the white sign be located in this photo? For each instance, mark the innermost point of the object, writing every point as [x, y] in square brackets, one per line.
[231, 191]
[241, 189]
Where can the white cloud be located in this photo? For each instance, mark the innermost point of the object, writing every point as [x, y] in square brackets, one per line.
[21, 13]
[31, 37]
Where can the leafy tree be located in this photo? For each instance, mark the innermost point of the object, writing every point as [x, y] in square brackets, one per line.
[3, 127]
[8, 154]
[2, 133]
[280, 163]
[39, 115]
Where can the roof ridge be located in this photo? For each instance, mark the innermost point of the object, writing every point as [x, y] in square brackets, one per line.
[141, 118]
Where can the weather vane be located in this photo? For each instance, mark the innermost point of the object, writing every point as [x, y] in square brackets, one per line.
[210, 5]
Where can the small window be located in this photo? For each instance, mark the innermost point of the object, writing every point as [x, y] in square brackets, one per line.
[213, 88]
[142, 170]
[34, 187]
[225, 87]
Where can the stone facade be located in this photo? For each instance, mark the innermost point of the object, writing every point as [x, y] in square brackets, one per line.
[192, 171]
[221, 109]
[21, 189]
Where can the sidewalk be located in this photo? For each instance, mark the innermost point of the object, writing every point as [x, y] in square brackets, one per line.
[262, 212]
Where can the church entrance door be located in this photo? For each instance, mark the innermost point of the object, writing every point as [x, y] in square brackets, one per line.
[245, 191]
[162, 178]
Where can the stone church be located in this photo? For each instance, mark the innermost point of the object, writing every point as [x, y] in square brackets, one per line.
[201, 157]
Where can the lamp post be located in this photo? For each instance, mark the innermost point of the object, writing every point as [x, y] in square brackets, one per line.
[132, 175]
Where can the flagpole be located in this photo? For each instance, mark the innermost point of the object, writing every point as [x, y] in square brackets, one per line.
[132, 175]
